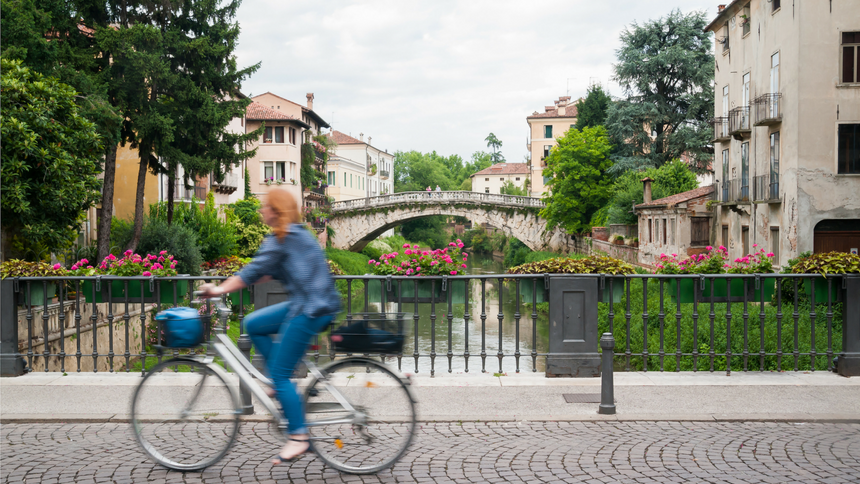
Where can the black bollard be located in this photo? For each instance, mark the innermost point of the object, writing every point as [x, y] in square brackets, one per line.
[607, 386]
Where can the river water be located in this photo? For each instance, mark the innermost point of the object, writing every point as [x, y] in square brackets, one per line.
[473, 334]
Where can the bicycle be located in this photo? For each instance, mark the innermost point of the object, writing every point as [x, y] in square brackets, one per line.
[185, 412]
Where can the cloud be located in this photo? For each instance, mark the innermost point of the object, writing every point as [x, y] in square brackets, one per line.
[436, 75]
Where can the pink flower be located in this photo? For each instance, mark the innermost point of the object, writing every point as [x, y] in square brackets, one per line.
[453, 273]
[111, 257]
[770, 254]
[415, 246]
[463, 266]
[464, 259]
[160, 259]
[377, 264]
[103, 266]
[75, 267]
[417, 269]
[459, 241]
[726, 265]
[89, 267]
[162, 252]
[709, 248]
[84, 261]
[451, 244]
[662, 256]
[426, 252]
[659, 266]
[157, 266]
[408, 271]
[146, 273]
[371, 262]
[460, 245]
[755, 245]
[128, 252]
[433, 263]
[674, 255]
[405, 246]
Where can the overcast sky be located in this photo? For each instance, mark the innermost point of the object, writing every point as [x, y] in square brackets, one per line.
[438, 75]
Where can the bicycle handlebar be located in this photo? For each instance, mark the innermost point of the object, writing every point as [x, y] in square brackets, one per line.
[199, 299]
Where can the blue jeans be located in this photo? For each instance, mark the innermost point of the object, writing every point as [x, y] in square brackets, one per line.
[284, 353]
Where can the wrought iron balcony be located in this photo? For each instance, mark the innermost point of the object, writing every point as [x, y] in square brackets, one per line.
[383, 174]
[739, 120]
[721, 128]
[734, 191]
[766, 188]
[767, 109]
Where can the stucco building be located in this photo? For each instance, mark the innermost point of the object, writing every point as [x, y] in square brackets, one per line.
[678, 224]
[544, 128]
[358, 169]
[278, 158]
[493, 178]
[787, 126]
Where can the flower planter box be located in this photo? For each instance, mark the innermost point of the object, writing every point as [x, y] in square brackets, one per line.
[245, 297]
[820, 289]
[735, 294]
[37, 294]
[118, 292]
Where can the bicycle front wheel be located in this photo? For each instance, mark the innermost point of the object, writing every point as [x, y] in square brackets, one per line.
[380, 429]
[185, 415]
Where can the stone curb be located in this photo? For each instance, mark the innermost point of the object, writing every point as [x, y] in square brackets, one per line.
[783, 418]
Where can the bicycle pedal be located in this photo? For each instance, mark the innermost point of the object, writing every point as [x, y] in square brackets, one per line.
[313, 392]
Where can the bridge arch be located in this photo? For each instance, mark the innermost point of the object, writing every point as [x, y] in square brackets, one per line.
[360, 221]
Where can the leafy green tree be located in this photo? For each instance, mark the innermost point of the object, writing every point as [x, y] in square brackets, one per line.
[50, 163]
[495, 144]
[666, 70]
[578, 183]
[591, 111]
[508, 188]
[466, 186]
[672, 178]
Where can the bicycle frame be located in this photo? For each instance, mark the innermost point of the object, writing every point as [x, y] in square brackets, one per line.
[224, 347]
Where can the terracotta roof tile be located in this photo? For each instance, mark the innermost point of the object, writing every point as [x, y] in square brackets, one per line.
[344, 139]
[258, 112]
[679, 197]
[569, 112]
[505, 169]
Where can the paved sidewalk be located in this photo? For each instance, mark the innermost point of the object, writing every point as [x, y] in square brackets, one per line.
[809, 397]
[592, 452]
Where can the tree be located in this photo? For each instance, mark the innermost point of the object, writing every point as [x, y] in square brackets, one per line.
[578, 183]
[55, 38]
[666, 70]
[50, 163]
[495, 144]
[508, 188]
[671, 178]
[466, 186]
[591, 111]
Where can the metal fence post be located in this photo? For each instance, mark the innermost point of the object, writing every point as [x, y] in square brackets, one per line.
[11, 364]
[573, 327]
[607, 385]
[849, 358]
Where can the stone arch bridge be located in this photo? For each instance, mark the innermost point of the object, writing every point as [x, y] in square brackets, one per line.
[358, 222]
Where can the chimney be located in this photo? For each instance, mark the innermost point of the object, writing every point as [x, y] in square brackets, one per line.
[310, 97]
[361, 137]
[647, 193]
[368, 140]
[720, 8]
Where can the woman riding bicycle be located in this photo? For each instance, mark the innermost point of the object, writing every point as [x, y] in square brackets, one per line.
[292, 256]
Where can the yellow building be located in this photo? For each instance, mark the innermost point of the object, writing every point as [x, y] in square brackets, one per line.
[544, 128]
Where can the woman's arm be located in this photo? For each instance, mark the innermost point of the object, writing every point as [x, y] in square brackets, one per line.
[232, 284]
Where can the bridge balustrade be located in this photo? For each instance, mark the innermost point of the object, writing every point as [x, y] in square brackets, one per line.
[434, 197]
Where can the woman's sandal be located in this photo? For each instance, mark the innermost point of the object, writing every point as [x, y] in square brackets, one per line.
[280, 460]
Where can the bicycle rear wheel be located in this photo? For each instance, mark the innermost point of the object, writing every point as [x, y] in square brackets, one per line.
[185, 414]
[384, 425]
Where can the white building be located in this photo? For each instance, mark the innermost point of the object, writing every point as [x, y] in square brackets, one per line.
[491, 180]
[358, 169]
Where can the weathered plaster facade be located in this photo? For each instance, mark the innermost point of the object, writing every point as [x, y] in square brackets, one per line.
[554, 122]
[793, 49]
[666, 226]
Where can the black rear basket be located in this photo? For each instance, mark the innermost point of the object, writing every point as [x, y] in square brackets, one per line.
[378, 333]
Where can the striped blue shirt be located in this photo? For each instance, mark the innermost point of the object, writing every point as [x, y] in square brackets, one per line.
[300, 265]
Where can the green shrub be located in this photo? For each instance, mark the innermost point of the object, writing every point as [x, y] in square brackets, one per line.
[516, 252]
[352, 263]
[247, 211]
[565, 265]
[498, 241]
[543, 255]
[121, 232]
[176, 239]
[217, 238]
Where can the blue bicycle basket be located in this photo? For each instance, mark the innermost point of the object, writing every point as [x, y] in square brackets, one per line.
[182, 327]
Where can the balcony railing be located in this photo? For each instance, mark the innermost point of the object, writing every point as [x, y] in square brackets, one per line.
[766, 188]
[734, 191]
[739, 120]
[767, 109]
[229, 185]
[383, 174]
[721, 128]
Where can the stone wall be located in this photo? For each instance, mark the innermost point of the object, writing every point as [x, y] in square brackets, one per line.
[354, 231]
[622, 252]
[70, 335]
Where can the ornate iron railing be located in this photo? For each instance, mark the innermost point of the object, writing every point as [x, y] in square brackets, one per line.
[739, 120]
[721, 128]
[487, 323]
[767, 109]
[766, 188]
[734, 191]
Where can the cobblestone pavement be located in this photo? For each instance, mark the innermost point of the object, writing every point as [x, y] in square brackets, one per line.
[592, 452]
